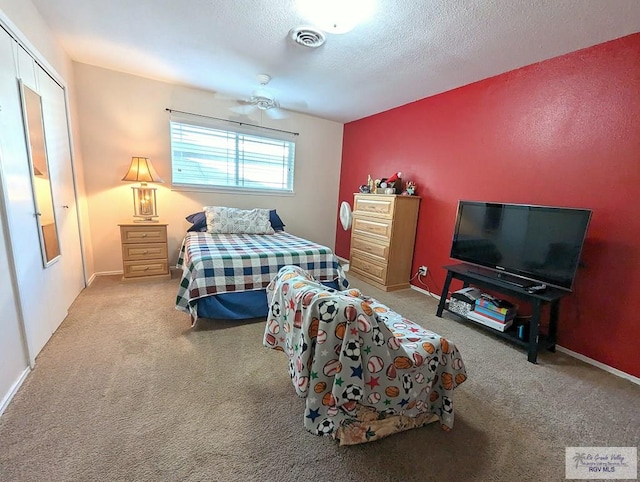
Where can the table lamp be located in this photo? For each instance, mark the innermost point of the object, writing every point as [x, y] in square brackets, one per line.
[144, 197]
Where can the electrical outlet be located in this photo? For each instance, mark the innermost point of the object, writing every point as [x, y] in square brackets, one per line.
[422, 270]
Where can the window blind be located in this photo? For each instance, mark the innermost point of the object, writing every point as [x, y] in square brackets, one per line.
[206, 155]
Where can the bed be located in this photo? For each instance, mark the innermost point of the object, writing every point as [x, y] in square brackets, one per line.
[224, 276]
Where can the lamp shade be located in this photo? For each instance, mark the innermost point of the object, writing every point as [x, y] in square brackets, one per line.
[141, 170]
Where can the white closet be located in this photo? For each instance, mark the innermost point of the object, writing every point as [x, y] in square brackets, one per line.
[34, 298]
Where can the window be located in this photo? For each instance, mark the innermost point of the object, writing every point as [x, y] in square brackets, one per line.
[206, 153]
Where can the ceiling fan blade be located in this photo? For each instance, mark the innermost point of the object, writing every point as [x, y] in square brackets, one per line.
[243, 109]
[276, 113]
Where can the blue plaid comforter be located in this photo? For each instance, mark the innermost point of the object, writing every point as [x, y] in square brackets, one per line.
[223, 263]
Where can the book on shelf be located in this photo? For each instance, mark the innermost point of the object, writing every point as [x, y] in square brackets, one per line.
[494, 315]
[499, 306]
[485, 320]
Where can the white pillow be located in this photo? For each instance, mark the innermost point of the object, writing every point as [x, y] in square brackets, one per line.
[237, 221]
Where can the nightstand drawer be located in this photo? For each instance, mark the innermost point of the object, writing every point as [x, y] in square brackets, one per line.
[133, 252]
[143, 234]
[145, 251]
[380, 228]
[375, 205]
[368, 268]
[138, 269]
[364, 247]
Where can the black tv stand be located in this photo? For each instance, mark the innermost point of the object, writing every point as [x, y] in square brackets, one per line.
[503, 277]
[470, 275]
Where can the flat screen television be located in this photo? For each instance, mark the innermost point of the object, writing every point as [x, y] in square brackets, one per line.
[522, 244]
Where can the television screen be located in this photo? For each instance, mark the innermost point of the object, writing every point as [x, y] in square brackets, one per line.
[540, 244]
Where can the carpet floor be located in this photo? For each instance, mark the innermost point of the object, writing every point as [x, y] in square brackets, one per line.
[127, 390]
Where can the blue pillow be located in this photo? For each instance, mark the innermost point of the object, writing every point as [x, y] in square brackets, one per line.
[276, 222]
[199, 221]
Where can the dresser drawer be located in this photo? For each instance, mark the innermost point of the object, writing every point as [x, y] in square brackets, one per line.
[139, 269]
[378, 206]
[380, 228]
[366, 247]
[143, 234]
[368, 268]
[133, 252]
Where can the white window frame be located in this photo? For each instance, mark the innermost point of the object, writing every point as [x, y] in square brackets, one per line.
[238, 175]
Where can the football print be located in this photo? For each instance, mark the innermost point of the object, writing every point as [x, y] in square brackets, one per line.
[352, 392]
[325, 427]
[327, 310]
[352, 350]
[377, 336]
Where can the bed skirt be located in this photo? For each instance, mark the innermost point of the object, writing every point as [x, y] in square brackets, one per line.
[240, 305]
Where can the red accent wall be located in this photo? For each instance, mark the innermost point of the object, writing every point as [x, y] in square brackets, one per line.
[562, 132]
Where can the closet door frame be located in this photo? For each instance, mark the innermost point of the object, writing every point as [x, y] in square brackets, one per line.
[21, 42]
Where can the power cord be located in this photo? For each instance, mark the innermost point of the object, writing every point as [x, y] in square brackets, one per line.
[425, 284]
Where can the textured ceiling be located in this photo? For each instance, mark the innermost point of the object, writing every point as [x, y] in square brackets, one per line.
[406, 51]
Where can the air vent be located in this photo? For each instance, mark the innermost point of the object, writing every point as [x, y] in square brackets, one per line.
[307, 36]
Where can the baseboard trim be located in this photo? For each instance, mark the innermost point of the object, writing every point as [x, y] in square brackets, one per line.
[425, 292]
[12, 391]
[108, 273]
[597, 364]
[586, 359]
[91, 279]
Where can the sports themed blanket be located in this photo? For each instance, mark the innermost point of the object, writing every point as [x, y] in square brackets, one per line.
[221, 263]
[364, 370]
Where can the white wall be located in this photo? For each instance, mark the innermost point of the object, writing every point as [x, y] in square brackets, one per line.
[121, 116]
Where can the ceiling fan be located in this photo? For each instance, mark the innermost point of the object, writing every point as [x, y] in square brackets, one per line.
[262, 99]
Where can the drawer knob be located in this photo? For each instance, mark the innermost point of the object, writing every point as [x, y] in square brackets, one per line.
[145, 252]
[144, 235]
[146, 268]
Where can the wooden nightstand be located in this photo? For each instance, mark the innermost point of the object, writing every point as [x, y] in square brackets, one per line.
[145, 254]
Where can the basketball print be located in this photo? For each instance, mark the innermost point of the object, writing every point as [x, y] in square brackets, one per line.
[320, 387]
[392, 391]
[428, 347]
[402, 362]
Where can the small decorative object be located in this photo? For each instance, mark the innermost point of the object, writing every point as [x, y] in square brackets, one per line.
[395, 182]
[411, 188]
[389, 190]
[364, 189]
[370, 183]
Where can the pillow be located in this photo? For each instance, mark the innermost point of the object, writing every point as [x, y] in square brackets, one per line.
[199, 221]
[275, 220]
[237, 221]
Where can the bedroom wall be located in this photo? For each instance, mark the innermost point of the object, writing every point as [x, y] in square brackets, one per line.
[123, 115]
[560, 132]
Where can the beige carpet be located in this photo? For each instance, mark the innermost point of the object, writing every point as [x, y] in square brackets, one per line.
[125, 390]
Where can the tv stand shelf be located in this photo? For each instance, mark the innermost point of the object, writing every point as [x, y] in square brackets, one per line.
[470, 275]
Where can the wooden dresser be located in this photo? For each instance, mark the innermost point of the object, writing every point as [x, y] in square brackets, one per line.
[145, 253]
[383, 234]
